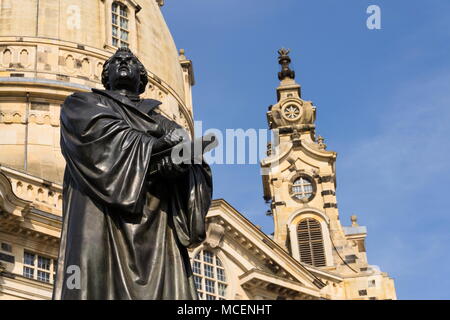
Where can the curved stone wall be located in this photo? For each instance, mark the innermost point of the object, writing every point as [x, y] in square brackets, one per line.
[51, 48]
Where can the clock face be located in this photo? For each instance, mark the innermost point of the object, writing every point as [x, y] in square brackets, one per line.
[291, 112]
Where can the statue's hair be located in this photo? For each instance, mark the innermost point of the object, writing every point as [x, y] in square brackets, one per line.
[142, 71]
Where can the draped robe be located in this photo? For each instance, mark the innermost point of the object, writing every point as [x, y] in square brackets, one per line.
[125, 231]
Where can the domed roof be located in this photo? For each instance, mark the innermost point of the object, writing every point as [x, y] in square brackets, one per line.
[46, 57]
[157, 49]
[88, 25]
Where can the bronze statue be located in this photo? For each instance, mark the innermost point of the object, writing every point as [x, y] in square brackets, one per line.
[129, 217]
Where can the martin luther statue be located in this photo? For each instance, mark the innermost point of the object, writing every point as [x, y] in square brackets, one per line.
[128, 216]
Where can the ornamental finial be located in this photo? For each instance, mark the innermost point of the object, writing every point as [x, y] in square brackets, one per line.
[284, 60]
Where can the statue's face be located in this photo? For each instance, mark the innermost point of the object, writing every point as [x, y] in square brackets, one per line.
[124, 72]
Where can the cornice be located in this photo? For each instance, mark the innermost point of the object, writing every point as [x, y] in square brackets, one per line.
[255, 278]
[67, 88]
[19, 216]
[8, 200]
[317, 152]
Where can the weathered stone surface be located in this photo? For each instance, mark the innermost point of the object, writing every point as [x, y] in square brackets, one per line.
[49, 49]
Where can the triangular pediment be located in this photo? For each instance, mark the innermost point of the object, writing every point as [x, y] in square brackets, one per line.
[262, 262]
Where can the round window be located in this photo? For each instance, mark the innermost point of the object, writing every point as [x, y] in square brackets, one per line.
[302, 189]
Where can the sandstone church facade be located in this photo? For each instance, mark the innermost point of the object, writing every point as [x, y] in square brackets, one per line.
[50, 49]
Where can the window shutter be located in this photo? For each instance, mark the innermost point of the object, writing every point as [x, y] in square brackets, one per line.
[310, 242]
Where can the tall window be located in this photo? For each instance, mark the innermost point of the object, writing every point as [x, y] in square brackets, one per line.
[120, 25]
[302, 188]
[209, 276]
[310, 242]
[38, 267]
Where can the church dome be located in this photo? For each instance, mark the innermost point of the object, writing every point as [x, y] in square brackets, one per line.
[50, 49]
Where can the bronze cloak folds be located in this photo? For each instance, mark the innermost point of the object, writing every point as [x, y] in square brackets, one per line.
[126, 234]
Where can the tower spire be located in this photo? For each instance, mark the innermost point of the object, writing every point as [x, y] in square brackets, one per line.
[284, 60]
[288, 88]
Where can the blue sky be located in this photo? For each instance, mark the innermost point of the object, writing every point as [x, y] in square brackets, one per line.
[383, 103]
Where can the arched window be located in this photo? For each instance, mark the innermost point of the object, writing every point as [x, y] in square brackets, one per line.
[7, 57]
[24, 58]
[209, 276]
[120, 25]
[310, 243]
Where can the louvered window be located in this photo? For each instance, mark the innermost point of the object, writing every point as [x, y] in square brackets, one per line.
[310, 242]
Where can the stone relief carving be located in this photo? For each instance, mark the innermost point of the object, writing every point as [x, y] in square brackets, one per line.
[37, 194]
[214, 235]
[17, 57]
[35, 118]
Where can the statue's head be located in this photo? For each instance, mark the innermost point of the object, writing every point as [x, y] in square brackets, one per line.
[124, 71]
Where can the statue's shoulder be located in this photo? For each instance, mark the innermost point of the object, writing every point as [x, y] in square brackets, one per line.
[90, 95]
[148, 106]
[164, 120]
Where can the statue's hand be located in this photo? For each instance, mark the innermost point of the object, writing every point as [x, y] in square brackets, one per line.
[176, 136]
[165, 168]
[167, 141]
[155, 130]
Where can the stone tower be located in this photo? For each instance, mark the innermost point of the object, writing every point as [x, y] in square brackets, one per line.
[300, 185]
[51, 48]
